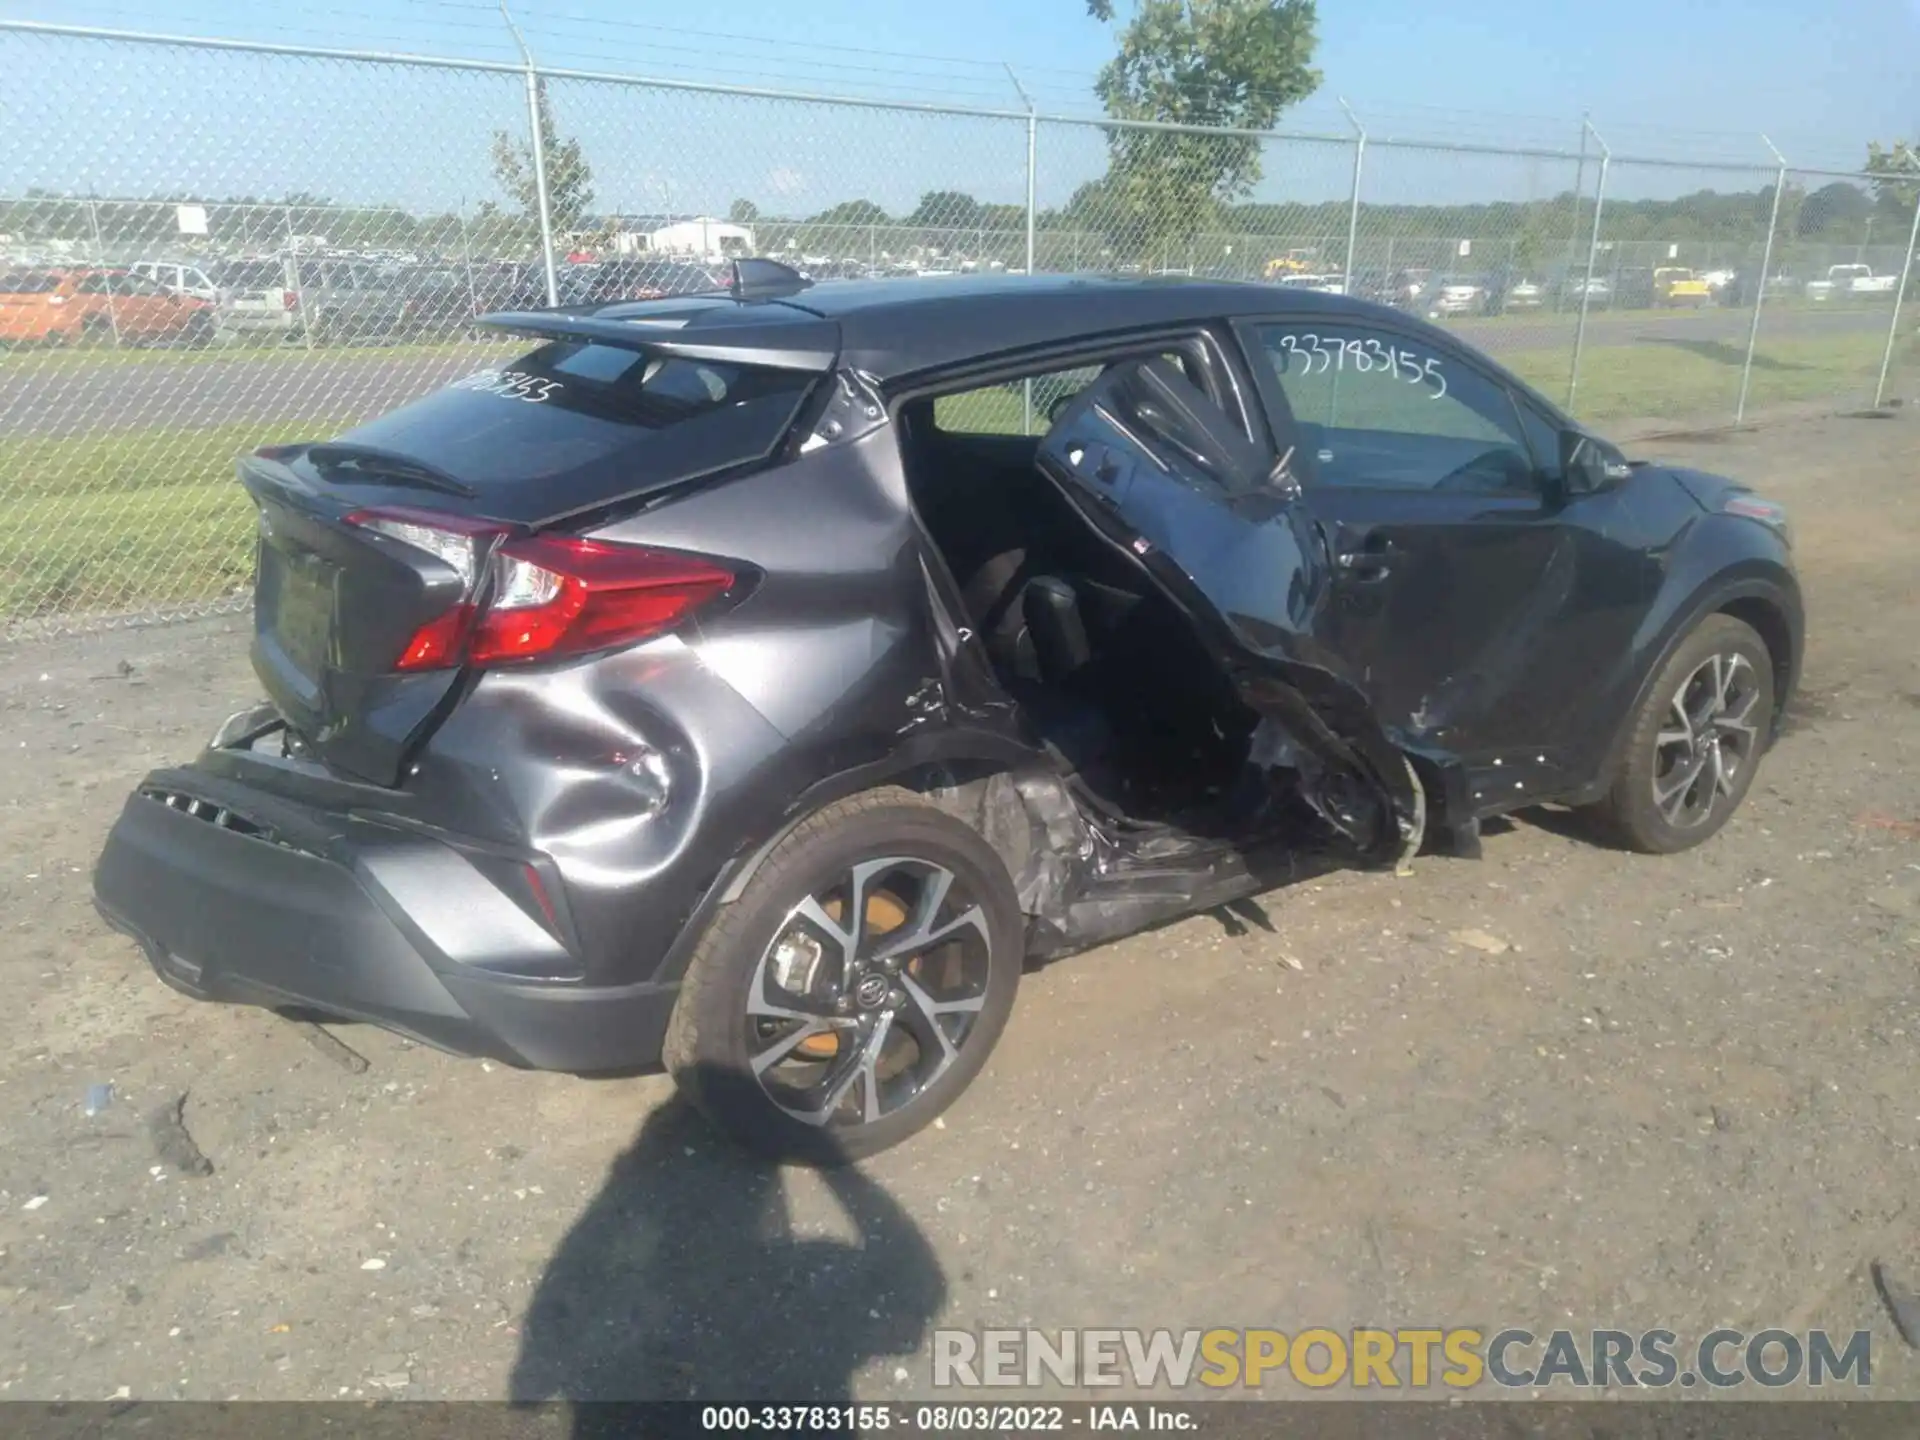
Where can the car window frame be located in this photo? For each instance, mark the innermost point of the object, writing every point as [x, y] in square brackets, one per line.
[1274, 403]
[1215, 350]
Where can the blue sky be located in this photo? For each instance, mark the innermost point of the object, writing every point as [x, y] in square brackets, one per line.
[1660, 78]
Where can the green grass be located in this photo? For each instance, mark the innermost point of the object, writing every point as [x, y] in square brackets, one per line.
[1700, 379]
[122, 522]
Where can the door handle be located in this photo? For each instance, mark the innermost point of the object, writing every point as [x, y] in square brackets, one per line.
[1371, 560]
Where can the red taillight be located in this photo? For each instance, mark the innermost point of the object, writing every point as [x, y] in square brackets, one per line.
[290, 299]
[545, 596]
[436, 644]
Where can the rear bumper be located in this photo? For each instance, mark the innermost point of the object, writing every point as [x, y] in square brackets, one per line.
[255, 900]
[257, 319]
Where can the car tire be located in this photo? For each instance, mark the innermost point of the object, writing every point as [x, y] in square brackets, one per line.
[1682, 728]
[718, 1052]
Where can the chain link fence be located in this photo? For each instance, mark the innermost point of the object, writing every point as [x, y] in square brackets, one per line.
[257, 243]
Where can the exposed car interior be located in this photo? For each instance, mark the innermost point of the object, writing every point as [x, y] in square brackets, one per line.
[1104, 668]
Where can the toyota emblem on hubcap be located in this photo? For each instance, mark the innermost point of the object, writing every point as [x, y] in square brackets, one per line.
[871, 992]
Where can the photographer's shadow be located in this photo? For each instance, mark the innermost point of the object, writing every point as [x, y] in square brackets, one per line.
[684, 1281]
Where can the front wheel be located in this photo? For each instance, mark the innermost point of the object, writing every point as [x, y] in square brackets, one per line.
[1696, 741]
[857, 985]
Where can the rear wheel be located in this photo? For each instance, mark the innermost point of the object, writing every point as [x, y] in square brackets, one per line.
[857, 985]
[1696, 741]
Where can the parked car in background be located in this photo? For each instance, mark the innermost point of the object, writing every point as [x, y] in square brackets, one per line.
[1510, 290]
[1452, 295]
[344, 301]
[1676, 287]
[610, 280]
[1851, 281]
[100, 306]
[179, 277]
[1319, 284]
[1634, 288]
[36, 307]
[1569, 288]
[434, 301]
[129, 310]
[259, 296]
[1409, 289]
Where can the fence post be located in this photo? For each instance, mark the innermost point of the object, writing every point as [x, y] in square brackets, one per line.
[299, 279]
[1353, 202]
[540, 185]
[1760, 292]
[100, 258]
[1033, 153]
[466, 266]
[1899, 299]
[1593, 251]
[1579, 185]
[538, 131]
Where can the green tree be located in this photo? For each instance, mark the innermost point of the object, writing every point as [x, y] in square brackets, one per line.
[1833, 212]
[743, 212]
[853, 212]
[946, 210]
[1218, 64]
[1895, 176]
[569, 179]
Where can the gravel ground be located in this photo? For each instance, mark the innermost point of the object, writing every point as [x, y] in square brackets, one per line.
[1648, 1093]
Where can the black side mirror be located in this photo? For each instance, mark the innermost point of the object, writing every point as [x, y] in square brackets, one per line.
[1588, 463]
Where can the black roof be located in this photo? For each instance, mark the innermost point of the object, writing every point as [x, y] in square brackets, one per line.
[901, 327]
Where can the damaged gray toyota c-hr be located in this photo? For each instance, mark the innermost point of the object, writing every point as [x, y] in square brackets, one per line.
[751, 682]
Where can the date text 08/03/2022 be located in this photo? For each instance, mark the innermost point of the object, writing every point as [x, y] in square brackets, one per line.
[941, 1419]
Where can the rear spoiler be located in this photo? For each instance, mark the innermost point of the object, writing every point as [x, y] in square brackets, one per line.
[804, 342]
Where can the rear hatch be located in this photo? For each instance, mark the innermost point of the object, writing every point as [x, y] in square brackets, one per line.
[391, 558]
[257, 287]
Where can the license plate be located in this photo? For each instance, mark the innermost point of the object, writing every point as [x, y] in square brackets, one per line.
[299, 607]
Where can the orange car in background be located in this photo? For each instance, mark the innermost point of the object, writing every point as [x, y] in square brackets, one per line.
[59, 307]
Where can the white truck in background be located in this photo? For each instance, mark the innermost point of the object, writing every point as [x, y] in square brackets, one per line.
[1851, 280]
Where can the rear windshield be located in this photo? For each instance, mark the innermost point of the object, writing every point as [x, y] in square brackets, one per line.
[28, 282]
[254, 275]
[651, 420]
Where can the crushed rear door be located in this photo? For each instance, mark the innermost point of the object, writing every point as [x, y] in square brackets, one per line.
[1215, 519]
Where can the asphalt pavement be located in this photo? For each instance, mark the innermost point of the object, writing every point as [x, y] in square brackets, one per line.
[70, 396]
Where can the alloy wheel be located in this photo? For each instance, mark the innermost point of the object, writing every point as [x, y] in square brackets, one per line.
[1710, 734]
[868, 992]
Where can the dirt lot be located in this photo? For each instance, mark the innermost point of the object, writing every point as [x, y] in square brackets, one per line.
[1683, 1095]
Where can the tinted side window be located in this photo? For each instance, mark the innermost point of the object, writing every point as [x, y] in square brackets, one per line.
[1002, 409]
[96, 285]
[1375, 409]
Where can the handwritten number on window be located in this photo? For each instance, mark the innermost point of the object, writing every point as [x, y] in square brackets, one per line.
[1318, 354]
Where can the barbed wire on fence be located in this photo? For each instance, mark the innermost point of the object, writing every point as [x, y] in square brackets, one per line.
[266, 243]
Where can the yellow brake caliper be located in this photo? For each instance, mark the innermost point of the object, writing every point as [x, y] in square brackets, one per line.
[884, 913]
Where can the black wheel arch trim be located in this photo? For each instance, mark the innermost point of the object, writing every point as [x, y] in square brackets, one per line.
[912, 767]
[1775, 589]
